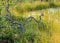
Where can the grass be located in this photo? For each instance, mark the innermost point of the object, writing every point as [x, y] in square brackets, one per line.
[27, 6]
[35, 32]
[32, 33]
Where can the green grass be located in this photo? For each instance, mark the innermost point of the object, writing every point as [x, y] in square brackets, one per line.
[27, 6]
[32, 33]
[40, 32]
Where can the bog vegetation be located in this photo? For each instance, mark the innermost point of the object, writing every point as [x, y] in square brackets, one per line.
[30, 21]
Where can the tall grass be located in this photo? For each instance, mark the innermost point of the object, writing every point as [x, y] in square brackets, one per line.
[32, 34]
[27, 6]
[35, 32]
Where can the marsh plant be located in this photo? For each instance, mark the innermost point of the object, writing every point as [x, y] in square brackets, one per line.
[25, 30]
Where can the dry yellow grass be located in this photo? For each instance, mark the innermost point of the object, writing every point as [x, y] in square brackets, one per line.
[55, 38]
[56, 33]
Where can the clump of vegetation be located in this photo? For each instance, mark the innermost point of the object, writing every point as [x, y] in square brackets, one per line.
[29, 29]
[28, 6]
